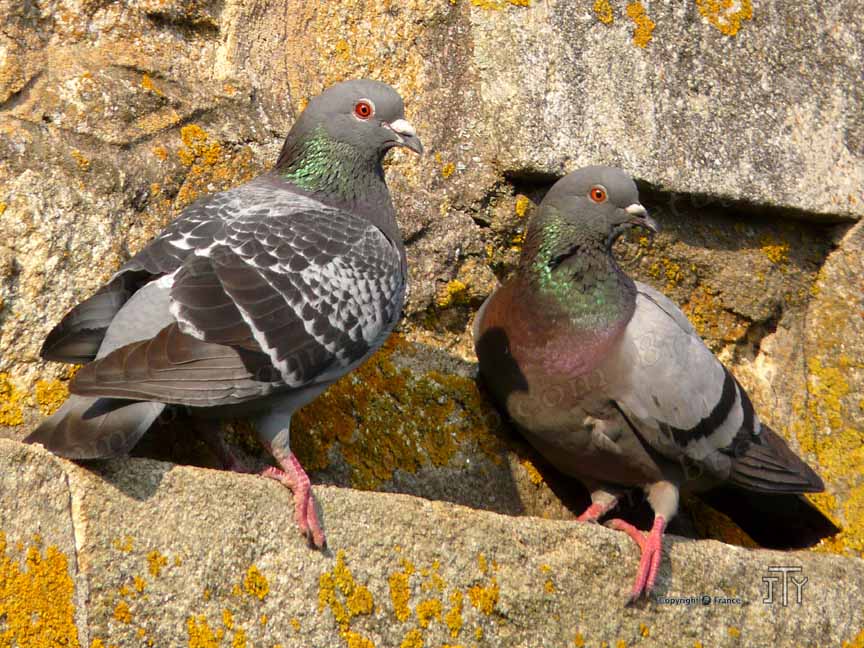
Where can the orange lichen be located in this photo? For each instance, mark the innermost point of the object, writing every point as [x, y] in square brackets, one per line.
[413, 639]
[500, 4]
[733, 632]
[124, 544]
[50, 395]
[11, 412]
[453, 618]
[161, 152]
[139, 584]
[122, 613]
[644, 25]
[356, 640]
[448, 170]
[400, 590]
[386, 418]
[156, 562]
[484, 597]
[724, 15]
[147, 84]
[255, 583]
[200, 635]
[711, 320]
[579, 640]
[534, 475]
[36, 599]
[603, 11]
[428, 611]
[209, 165]
[454, 292]
[357, 598]
[83, 162]
[522, 205]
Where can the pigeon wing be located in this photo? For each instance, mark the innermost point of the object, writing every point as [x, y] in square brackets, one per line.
[276, 301]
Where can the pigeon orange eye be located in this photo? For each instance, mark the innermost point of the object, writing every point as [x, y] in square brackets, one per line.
[363, 109]
[597, 194]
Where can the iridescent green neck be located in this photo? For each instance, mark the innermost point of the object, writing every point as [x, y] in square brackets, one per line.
[574, 273]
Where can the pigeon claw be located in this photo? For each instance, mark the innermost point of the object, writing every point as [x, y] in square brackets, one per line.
[293, 477]
[652, 553]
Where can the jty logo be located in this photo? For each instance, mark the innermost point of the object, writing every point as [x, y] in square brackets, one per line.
[784, 577]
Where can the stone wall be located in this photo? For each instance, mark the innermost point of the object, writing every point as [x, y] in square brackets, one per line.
[744, 125]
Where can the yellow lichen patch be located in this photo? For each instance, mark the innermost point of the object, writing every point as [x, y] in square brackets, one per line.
[413, 639]
[428, 611]
[295, 623]
[11, 397]
[644, 630]
[161, 152]
[534, 475]
[711, 320]
[156, 562]
[139, 584]
[448, 170]
[603, 11]
[124, 544]
[484, 597]
[857, 642]
[726, 15]
[821, 425]
[239, 640]
[454, 292]
[357, 598]
[228, 619]
[549, 586]
[776, 252]
[50, 395]
[670, 270]
[209, 165]
[386, 418]
[83, 162]
[400, 590]
[199, 633]
[733, 632]
[122, 613]
[255, 583]
[3, 207]
[644, 25]
[356, 640]
[147, 84]
[36, 599]
[453, 618]
[432, 578]
[579, 640]
[500, 4]
[522, 205]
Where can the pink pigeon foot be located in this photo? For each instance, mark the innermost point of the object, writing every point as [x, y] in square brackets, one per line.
[596, 511]
[652, 552]
[292, 475]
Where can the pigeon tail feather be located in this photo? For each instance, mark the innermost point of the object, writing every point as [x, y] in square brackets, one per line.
[95, 428]
[769, 466]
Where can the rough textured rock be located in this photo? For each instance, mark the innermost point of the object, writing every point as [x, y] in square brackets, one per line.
[744, 124]
[144, 553]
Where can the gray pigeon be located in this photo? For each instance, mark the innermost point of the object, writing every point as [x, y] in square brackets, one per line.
[609, 381]
[253, 300]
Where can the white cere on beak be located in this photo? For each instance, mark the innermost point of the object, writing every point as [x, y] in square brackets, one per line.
[636, 209]
[403, 127]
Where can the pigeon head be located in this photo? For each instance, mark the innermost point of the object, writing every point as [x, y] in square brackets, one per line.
[337, 145]
[598, 203]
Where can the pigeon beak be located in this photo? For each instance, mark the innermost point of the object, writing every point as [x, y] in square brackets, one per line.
[640, 218]
[405, 135]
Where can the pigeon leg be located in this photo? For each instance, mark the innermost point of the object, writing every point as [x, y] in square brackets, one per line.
[602, 502]
[663, 498]
[292, 475]
[274, 431]
[652, 553]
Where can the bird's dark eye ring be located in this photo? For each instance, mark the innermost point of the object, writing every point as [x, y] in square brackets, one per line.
[363, 109]
[597, 194]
